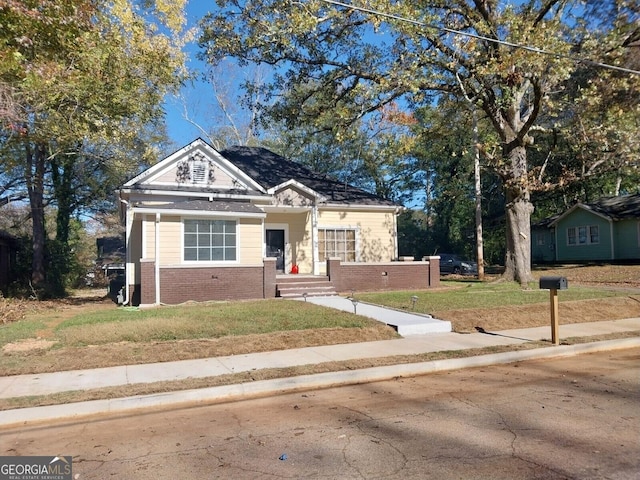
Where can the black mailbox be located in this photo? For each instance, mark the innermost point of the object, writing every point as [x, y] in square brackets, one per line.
[554, 283]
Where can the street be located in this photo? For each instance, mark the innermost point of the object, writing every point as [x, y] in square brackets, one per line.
[569, 418]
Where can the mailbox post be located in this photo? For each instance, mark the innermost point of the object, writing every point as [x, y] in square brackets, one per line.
[553, 284]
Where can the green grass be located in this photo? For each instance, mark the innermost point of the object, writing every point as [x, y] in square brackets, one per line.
[215, 320]
[15, 331]
[212, 320]
[474, 294]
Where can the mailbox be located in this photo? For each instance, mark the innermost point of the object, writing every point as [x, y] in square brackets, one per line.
[554, 283]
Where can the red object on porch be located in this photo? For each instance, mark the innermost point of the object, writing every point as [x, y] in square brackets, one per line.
[294, 268]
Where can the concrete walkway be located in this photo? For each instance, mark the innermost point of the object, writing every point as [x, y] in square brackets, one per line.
[49, 383]
[405, 323]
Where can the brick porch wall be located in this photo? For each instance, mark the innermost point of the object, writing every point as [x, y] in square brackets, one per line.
[363, 277]
[178, 285]
[147, 282]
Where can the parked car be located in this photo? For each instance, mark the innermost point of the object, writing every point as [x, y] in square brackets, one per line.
[451, 263]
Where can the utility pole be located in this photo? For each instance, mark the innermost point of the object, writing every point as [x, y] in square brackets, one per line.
[478, 195]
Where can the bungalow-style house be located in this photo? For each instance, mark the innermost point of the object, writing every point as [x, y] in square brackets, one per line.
[241, 223]
[605, 230]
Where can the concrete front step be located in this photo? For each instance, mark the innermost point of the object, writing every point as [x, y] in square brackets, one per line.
[298, 286]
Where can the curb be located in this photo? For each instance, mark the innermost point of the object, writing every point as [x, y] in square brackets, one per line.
[262, 388]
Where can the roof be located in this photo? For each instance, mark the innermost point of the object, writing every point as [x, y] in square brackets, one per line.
[208, 206]
[622, 207]
[270, 170]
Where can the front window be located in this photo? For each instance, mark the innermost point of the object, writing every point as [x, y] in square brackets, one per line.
[587, 235]
[210, 240]
[337, 242]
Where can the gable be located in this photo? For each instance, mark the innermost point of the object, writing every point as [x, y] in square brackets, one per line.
[198, 166]
[293, 197]
[609, 208]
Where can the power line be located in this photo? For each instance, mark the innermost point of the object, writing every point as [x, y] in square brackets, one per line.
[481, 37]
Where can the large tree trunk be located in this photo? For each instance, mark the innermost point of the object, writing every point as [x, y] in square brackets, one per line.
[35, 172]
[518, 213]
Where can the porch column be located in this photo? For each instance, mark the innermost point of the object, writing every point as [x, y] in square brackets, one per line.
[314, 239]
[157, 258]
[129, 270]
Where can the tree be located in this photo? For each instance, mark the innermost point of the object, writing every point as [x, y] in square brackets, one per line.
[351, 62]
[81, 74]
[376, 154]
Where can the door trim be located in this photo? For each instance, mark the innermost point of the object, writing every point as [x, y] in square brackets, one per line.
[287, 245]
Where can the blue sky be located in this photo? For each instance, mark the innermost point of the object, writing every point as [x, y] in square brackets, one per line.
[197, 96]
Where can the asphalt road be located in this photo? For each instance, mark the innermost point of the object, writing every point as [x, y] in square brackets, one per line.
[570, 418]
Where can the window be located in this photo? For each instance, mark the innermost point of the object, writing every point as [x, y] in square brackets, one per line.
[337, 242]
[583, 235]
[210, 240]
[539, 238]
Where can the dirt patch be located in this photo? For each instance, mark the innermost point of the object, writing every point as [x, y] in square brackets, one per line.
[28, 345]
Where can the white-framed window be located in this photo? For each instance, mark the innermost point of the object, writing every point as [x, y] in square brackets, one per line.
[210, 240]
[583, 235]
[337, 242]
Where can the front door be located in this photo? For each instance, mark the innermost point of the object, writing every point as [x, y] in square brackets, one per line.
[275, 247]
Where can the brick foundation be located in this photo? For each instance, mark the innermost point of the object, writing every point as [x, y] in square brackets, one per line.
[363, 277]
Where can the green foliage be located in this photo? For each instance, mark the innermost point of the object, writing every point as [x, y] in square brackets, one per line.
[85, 85]
[336, 66]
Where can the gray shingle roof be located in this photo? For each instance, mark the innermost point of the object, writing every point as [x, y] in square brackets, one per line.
[270, 169]
[208, 206]
[617, 208]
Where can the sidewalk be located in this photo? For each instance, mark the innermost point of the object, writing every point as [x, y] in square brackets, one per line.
[49, 383]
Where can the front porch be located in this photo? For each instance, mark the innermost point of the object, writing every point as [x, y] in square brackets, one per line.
[178, 284]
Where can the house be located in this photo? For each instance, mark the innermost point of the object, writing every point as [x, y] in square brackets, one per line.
[241, 223]
[543, 241]
[605, 230]
[8, 249]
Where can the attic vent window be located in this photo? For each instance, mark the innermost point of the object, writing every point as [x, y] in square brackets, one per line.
[196, 169]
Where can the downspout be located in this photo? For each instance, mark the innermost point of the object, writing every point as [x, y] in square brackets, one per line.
[613, 247]
[128, 265]
[157, 258]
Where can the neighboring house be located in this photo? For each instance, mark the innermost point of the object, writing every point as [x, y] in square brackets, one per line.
[209, 225]
[543, 241]
[8, 249]
[605, 230]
